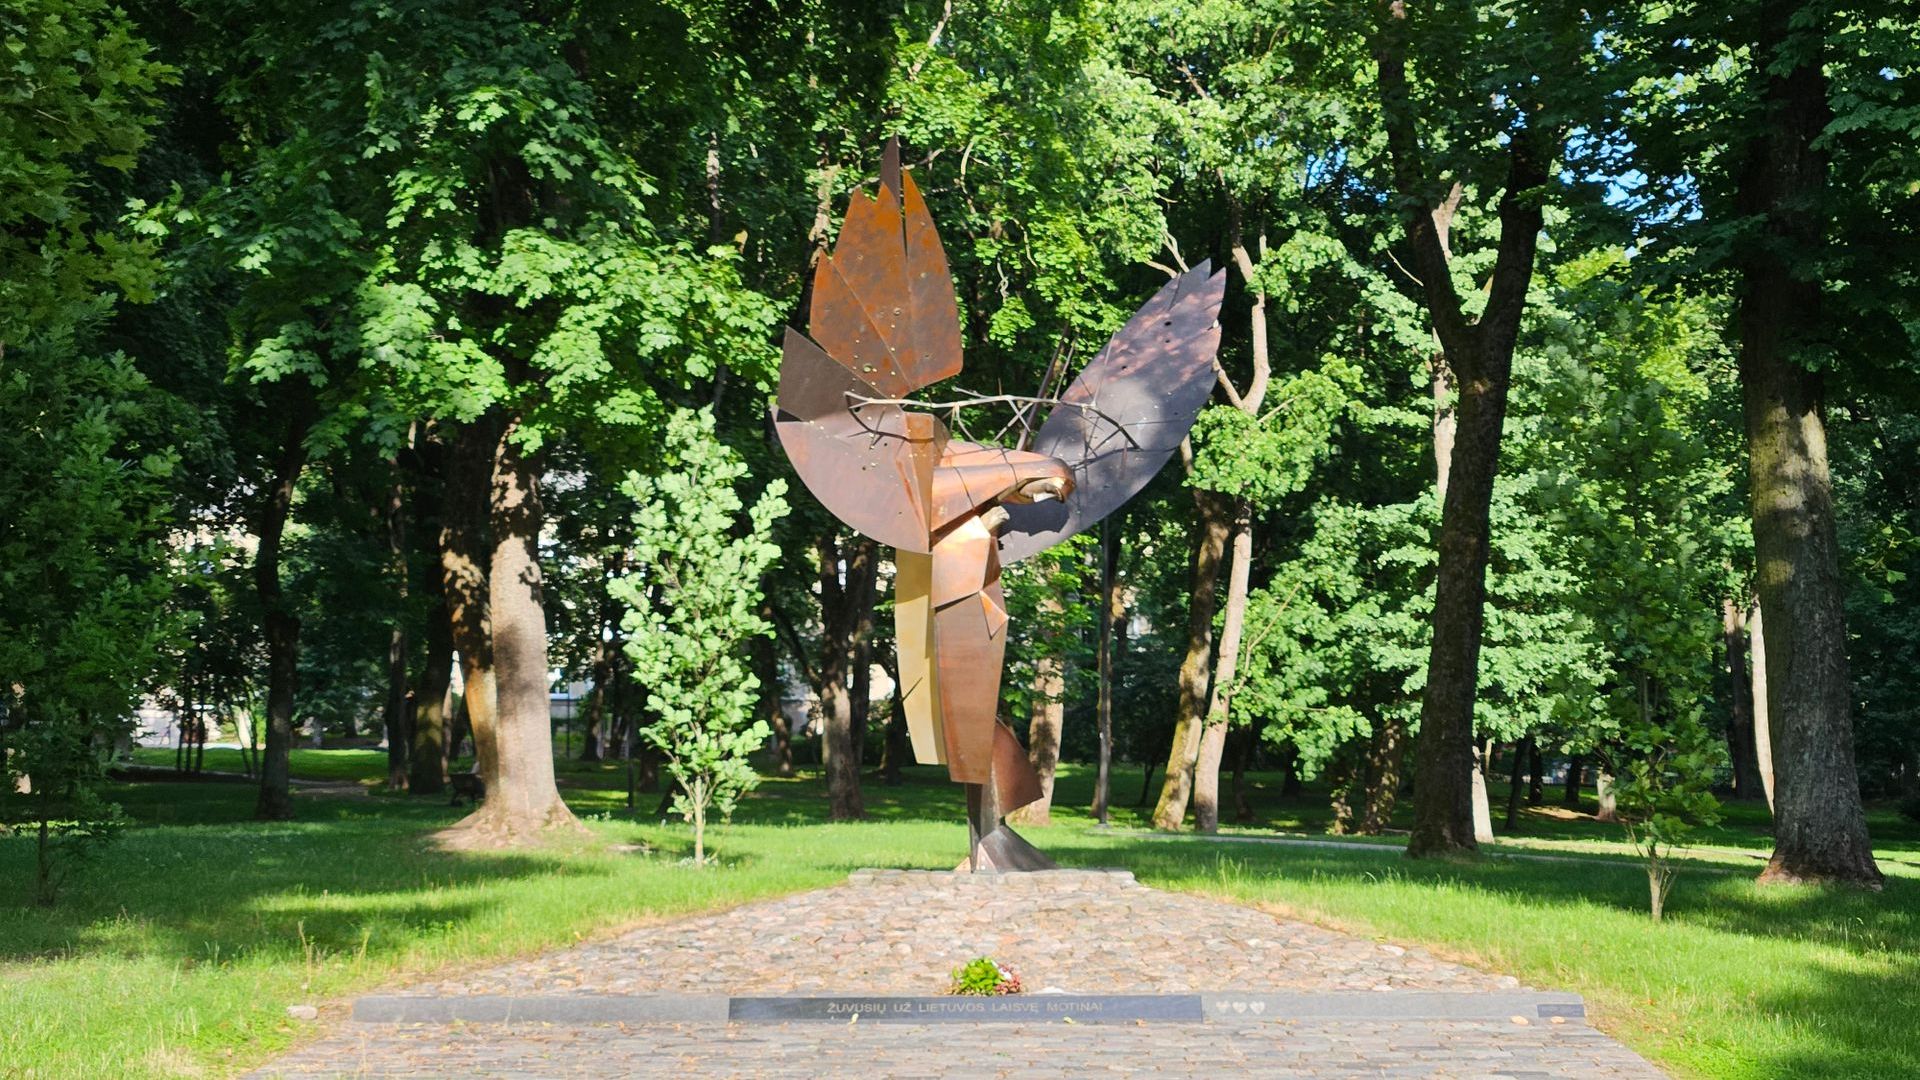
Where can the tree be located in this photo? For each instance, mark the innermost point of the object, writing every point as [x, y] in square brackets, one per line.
[1778, 169]
[692, 608]
[1820, 828]
[1444, 142]
[481, 244]
[1635, 476]
[84, 571]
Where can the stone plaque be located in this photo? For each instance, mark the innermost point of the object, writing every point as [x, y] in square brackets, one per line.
[1009, 1009]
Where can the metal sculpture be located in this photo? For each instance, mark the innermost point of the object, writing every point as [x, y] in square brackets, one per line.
[884, 324]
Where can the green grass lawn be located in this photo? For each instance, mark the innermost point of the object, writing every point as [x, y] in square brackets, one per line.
[177, 950]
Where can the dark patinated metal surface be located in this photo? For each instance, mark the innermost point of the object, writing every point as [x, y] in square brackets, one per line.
[1150, 382]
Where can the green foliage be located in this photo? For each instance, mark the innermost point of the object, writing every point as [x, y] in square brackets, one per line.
[83, 577]
[984, 977]
[1264, 459]
[692, 606]
[77, 93]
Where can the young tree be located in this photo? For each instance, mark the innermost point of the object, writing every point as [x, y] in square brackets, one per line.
[693, 605]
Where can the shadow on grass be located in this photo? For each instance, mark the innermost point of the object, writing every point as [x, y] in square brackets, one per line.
[1741, 980]
[1861, 923]
[352, 875]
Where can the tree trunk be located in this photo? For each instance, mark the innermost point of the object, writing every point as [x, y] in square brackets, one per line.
[1386, 752]
[766, 668]
[1762, 728]
[464, 559]
[1603, 786]
[1480, 353]
[1740, 744]
[281, 623]
[899, 744]
[1210, 540]
[860, 692]
[1571, 797]
[1477, 790]
[1536, 776]
[395, 717]
[840, 618]
[1242, 761]
[1344, 773]
[1820, 827]
[1109, 615]
[1213, 741]
[1043, 731]
[428, 763]
[523, 804]
[1522, 751]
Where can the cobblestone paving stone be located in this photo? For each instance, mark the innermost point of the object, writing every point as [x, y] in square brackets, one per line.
[899, 932]
[1350, 1049]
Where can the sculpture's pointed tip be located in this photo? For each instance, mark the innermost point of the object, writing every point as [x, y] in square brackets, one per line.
[890, 166]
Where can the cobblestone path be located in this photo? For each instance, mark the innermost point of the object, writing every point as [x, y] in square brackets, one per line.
[888, 932]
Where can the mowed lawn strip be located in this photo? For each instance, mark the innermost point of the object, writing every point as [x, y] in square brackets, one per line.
[178, 950]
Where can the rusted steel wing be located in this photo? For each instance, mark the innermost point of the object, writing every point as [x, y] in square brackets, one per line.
[1152, 379]
[869, 464]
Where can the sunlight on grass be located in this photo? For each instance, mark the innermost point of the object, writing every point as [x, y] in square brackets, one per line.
[180, 949]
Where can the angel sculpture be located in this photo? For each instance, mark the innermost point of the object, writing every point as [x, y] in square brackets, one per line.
[884, 324]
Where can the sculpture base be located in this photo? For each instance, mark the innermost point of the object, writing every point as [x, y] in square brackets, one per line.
[1003, 851]
[992, 847]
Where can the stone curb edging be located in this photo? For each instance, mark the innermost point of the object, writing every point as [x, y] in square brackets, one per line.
[1027, 1008]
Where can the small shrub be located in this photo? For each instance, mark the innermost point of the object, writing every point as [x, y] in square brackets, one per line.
[1909, 808]
[985, 978]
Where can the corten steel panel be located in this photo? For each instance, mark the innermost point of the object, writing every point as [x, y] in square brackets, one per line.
[913, 637]
[863, 463]
[936, 316]
[972, 477]
[1015, 783]
[1152, 379]
[968, 654]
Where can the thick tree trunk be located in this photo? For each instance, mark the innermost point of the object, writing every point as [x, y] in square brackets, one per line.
[1210, 540]
[1740, 745]
[1536, 776]
[1213, 740]
[1480, 353]
[1762, 726]
[464, 559]
[395, 717]
[523, 804]
[1570, 798]
[281, 623]
[1820, 827]
[1608, 809]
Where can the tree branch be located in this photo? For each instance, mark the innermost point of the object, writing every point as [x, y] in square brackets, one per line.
[1423, 225]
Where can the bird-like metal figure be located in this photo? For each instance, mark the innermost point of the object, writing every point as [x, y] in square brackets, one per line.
[884, 324]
